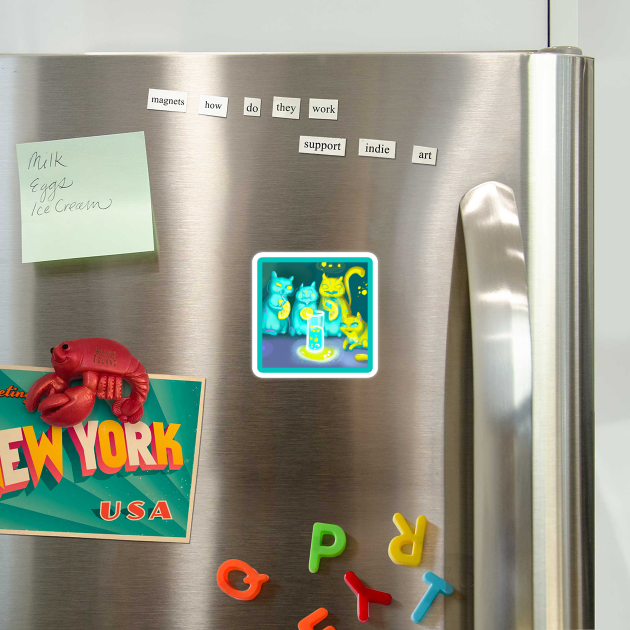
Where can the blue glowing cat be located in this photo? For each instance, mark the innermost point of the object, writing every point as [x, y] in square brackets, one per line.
[276, 307]
[306, 297]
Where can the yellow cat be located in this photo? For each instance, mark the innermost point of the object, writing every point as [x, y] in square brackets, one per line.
[356, 331]
[332, 291]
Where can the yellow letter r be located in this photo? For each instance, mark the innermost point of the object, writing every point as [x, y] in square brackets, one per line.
[407, 537]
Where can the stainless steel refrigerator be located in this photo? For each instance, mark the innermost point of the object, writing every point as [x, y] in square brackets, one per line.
[480, 414]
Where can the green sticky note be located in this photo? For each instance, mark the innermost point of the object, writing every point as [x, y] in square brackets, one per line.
[85, 197]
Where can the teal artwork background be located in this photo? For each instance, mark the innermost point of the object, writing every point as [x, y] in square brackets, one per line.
[282, 263]
[72, 505]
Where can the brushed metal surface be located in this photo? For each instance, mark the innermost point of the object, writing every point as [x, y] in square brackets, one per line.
[502, 368]
[275, 455]
[560, 275]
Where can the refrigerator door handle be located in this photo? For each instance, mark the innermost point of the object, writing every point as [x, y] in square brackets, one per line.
[502, 374]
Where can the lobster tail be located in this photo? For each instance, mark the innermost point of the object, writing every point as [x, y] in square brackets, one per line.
[139, 381]
[130, 409]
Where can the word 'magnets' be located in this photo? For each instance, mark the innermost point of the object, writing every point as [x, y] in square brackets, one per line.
[168, 101]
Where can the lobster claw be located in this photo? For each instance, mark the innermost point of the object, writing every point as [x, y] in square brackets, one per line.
[68, 408]
[43, 386]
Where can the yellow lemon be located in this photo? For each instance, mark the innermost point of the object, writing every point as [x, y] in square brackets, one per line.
[286, 309]
[333, 310]
[307, 310]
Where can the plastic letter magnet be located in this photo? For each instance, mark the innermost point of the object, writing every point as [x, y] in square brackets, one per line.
[308, 623]
[365, 596]
[407, 537]
[252, 577]
[319, 551]
[436, 586]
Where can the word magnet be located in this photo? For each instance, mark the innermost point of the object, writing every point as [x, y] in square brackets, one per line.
[322, 146]
[424, 155]
[377, 148]
[167, 100]
[407, 537]
[251, 106]
[323, 108]
[213, 106]
[319, 550]
[285, 107]
[252, 577]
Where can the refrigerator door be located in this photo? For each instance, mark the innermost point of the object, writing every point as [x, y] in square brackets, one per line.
[278, 455]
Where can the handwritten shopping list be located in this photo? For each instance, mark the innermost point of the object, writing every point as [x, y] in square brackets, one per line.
[85, 197]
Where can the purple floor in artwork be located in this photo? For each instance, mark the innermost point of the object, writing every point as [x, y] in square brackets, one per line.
[283, 351]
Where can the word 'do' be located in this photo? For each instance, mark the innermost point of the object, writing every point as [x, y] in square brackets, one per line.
[251, 106]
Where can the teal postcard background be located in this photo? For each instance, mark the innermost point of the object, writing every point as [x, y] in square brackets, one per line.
[72, 505]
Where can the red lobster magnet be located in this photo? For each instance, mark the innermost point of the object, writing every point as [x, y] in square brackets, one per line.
[102, 364]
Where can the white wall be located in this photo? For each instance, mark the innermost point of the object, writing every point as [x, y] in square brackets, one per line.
[604, 29]
[270, 25]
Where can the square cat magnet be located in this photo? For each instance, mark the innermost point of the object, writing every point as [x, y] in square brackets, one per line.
[315, 315]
